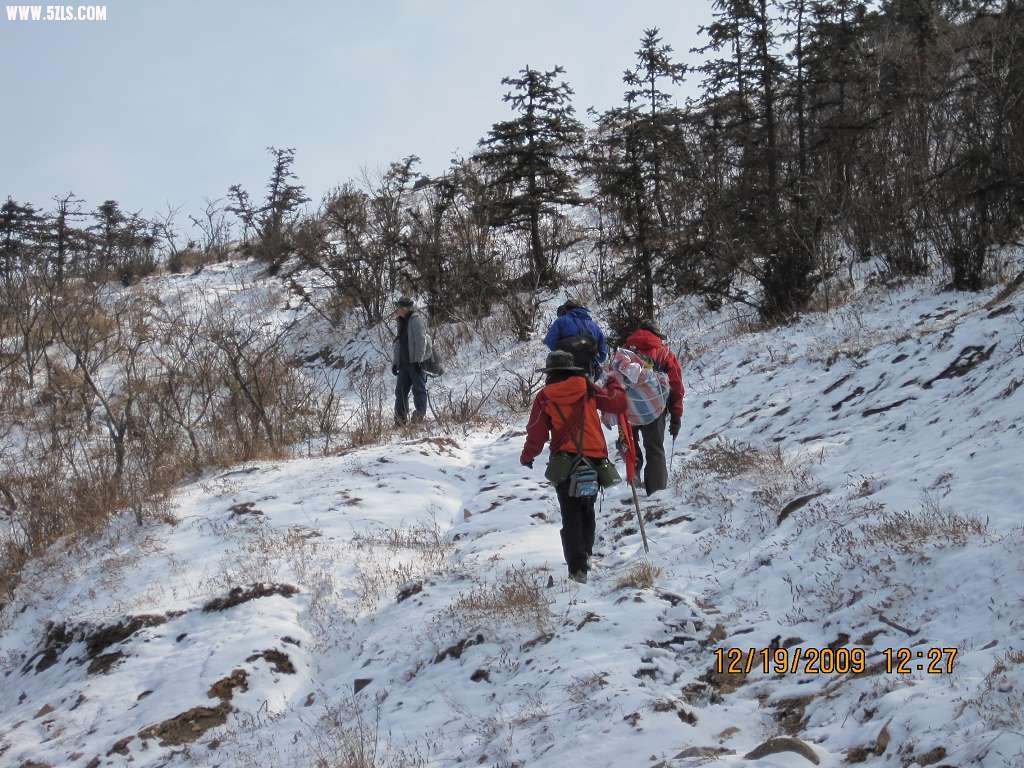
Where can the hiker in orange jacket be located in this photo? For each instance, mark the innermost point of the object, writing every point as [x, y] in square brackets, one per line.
[566, 412]
[649, 341]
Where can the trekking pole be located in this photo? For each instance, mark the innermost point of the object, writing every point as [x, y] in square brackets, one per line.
[671, 456]
[437, 417]
[640, 518]
[626, 434]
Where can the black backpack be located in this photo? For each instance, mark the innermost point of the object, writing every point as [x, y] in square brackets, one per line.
[583, 349]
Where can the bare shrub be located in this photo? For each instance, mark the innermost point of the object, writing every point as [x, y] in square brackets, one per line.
[641, 575]
[137, 395]
[269, 404]
[517, 394]
[371, 423]
[387, 558]
[909, 532]
[731, 458]
[425, 537]
[517, 598]
[520, 311]
[24, 324]
[582, 689]
[345, 737]
[998, 701]
[463, 407]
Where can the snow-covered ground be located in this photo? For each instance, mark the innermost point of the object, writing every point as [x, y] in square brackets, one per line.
[848, 483]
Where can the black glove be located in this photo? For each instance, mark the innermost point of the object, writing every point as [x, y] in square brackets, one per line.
[527, 463]
[673, 426]
[394, 369]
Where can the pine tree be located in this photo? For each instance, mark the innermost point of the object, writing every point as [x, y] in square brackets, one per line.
[20, 234]
[272, 222]
[107, 234]
[639, 160]
[531, 156]
[744, 90]
[63, 237]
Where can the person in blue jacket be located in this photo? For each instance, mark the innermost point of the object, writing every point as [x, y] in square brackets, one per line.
[575, 331]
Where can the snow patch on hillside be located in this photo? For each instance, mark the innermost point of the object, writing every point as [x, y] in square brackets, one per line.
[846, 482]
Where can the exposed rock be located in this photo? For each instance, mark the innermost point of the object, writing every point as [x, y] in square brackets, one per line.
[120, 746]
[101, 638]
[797, 503]
[547, 637]
[969, 357]
[790, 713]
[704, 752]
[359, 683]
[105, 662]
[882, 740]
[931, 757]
[782, 744]
[245, 508]
[58, 638]
[408, 590]
[455, 651]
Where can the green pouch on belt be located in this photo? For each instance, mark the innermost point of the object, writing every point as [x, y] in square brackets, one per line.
[560, 466]
[607, 474]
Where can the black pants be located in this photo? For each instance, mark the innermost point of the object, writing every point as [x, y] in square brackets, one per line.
[410, 378]
[656, 471]
[578, 527]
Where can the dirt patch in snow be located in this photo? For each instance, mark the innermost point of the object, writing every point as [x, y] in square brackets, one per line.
[97, 639]
[277, 659]
[224, 689]
[188, 726]
[239, 595]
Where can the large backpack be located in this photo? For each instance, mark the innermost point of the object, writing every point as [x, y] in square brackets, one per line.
[432, 366]
[647, 388]
[583, 349]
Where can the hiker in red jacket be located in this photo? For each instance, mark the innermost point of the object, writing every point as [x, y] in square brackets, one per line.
[567, 411]
[649, 341]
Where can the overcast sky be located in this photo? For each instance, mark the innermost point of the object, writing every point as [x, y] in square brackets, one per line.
[175, 101]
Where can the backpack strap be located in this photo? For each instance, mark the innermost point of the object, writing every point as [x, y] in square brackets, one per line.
[566, 425]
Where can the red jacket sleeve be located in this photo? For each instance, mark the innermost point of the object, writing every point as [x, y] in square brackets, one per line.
[537, 430]
[611, 398]
[675, 383]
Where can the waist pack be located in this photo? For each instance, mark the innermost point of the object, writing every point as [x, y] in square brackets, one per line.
[563, 465]
[583, 481]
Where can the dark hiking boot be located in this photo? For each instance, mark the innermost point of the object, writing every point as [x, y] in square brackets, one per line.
[418, 417]
[579, 576]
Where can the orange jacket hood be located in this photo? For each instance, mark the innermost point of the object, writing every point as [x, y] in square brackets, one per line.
[568, 392]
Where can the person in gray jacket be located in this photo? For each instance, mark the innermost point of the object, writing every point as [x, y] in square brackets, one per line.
[409, 352]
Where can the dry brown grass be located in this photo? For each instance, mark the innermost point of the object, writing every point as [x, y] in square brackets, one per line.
[998, 701]
[387, 558]
[517, 598]
[642, 575]
[909, 532]
[133, 396]
[346, 736]
[731, 458]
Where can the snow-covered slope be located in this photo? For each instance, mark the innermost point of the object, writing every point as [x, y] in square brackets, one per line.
[847, 483]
